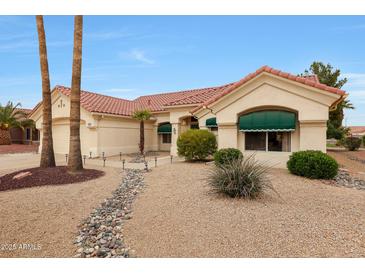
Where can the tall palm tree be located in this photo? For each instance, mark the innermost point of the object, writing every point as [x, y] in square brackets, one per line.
[75, 158]
[47, 153]
[12, 117]
[141, 115]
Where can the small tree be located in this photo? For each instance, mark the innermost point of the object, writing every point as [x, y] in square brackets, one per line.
[352, 143]
[141, 115]
[11, 117]
[331, 77]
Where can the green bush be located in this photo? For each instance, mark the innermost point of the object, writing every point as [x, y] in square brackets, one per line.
[352, 143]
[226, 155]
[312, 164]
[363, 141]
[196, 144]
[244, 177]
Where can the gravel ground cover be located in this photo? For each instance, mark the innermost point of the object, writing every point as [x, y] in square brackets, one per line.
[178, 216]
[45, 176]
[42, 221]
[137, 158]
[101, 234]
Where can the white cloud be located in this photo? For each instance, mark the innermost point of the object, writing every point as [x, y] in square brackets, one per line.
[107, 35]
[355, 80]
[137, 55]
[351, 27]
[119, 90]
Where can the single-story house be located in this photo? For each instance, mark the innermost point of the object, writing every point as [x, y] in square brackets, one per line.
[28, 135]
[357, 131]
[269, 111]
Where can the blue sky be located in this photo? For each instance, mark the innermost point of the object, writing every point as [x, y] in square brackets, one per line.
[129, 56]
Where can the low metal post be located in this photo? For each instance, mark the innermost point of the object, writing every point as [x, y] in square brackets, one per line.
[171, 158]
[104, 159]
[146, 165]
[155, 161]
[90, 154]
[66, 156]
[120, 156]
[103, 155]
[84, 159]
[123, 163]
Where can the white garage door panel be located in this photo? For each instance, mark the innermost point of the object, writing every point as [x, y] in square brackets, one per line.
[61, 137]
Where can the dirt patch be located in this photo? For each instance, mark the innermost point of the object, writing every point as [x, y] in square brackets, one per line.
[353, 161]
[178, 216]
[47, 217]
[45, 176]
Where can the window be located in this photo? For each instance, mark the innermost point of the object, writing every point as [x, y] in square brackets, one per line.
[267, 141]
[166, 138]
[255, 141]
[27, 137]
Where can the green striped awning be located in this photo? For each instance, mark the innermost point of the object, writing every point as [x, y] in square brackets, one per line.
[270, 120]
[211, 122]
[164, 129]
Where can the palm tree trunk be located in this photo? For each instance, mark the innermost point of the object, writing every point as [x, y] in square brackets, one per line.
[47, 154]
[141, 137]
[75, 158]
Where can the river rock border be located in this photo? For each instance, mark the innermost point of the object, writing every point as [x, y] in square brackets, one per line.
[101, 234]
[345, 179]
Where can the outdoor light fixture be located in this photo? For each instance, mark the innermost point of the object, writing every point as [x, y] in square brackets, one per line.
[120, 156]
[146, 165]
[155, 161]
[66, 156]
[90, 154]
[84, 159]
[123, 163]
[171, 158]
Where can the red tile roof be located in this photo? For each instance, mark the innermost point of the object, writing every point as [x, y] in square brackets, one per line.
[94, 102]
[357, 129]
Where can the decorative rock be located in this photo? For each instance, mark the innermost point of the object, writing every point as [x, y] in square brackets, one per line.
[22, 175]
[101, 234]
[344, 178]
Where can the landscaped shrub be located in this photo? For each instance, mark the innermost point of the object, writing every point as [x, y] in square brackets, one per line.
[196, 144]
[227, 155]
[312, 164]
[363, 141]
[352, 143]
[244, 177]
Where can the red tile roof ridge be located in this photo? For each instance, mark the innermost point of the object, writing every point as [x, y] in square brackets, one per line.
[276, 72]
[94, 93]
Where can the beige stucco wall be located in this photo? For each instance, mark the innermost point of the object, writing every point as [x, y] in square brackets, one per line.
[61, 126]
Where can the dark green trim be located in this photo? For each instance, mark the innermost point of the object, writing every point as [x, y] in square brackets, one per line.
[211, 122]
[164, 129]
[269, 120]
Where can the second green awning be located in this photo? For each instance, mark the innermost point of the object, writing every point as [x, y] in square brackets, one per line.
[211, 122]
[270, 120]
[164, 129]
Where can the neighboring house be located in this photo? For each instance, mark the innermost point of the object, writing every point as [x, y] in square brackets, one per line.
[27, 136]
[357, 131]
[269, 111]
